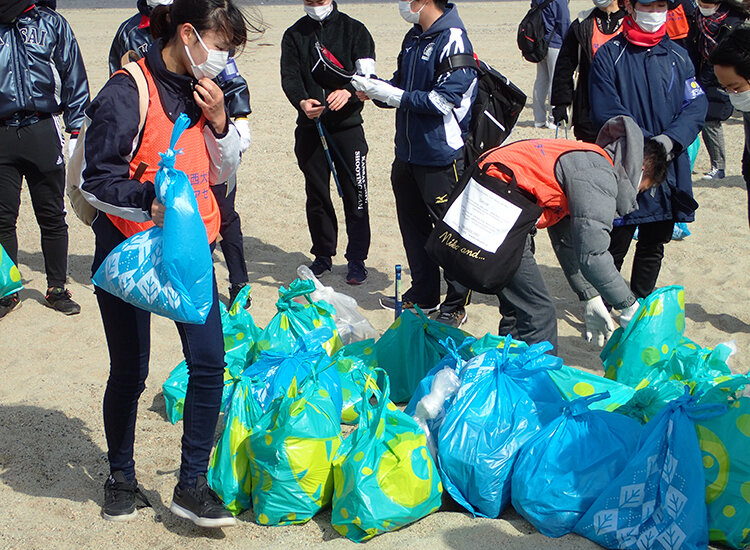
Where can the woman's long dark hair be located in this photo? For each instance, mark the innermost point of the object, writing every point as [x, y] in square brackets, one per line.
[220, 16]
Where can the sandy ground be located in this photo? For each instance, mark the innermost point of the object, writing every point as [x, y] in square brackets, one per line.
[52, 447]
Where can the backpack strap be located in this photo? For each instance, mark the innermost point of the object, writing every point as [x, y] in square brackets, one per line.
[456, 61]
[136, 72]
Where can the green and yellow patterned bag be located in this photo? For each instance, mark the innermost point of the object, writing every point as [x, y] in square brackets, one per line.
[384, 477]
[291, 452]
[10, 277]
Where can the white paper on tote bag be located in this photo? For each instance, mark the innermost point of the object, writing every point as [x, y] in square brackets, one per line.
[482, 217]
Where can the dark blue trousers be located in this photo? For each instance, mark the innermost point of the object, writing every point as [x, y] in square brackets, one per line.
[128, 332]
[231, 234]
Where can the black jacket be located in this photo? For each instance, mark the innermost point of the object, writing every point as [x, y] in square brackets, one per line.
[577, 53]
[41, 67]
[135, 34]
[347, 39]
[719, 106]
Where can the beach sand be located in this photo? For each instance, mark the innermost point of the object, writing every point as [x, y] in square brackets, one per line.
[54, 369]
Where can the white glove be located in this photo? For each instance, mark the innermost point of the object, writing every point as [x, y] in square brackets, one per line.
[626, 315]
[378, 90]
[599, 322]
[243, 127]
[71, 146]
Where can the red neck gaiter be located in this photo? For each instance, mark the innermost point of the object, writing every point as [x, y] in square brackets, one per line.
[635, 35]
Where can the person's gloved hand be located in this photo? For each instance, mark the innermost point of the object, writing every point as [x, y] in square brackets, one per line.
[72, 140]
[627, 314]
[378, 90]
[560, 114]
[667, 143]
[599, 322]
[243, 127]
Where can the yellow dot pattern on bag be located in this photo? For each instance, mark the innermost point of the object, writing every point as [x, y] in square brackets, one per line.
[679, 322]
[263, 519]
[263, 345]
[359, 456]
[583, 389]
[391, 406]
[317, 323]
[344, 513]
[408, 464]
[310, 462]
[269, 439]
[681, 299]
[708, 462]
[284, 322]
[15, 275]
[291, 516]
[745, 491]
[718, 472]
[323, 393]
[342, 529]
[367, 351]
[729, 511]
[239, 335]
[357, 521]
[743, 424]
[650, 356]
[366, 471]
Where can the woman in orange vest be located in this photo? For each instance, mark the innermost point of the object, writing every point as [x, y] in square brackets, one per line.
[587, 33]
[194, 39]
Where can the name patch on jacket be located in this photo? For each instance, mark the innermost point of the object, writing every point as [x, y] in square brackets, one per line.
[33, 36]
[427, 53]
[692, 89]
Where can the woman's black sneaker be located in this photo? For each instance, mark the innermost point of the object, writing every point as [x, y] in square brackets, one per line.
[8, 304]
[357, 273]
[201, 505]
[59, 299]
[321, 265]
[121, 497]
[234, 290]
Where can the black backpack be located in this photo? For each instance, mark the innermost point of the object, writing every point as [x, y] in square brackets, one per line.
[496, 109]
[531, 33]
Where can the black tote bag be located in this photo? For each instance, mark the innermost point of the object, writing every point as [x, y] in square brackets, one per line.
[480, 239]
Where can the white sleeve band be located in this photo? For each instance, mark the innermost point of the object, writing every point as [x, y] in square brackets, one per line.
[224, 153]
[442, 104]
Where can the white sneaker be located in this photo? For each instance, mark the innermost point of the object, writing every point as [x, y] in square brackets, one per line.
[548, 125]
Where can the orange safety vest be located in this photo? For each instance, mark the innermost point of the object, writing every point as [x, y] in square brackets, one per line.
[598, 38]
[533, 162]
[194, 161]
[677, 23]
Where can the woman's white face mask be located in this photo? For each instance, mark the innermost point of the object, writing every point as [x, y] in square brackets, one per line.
[650, 21]
[216, 61]
[404, 8]
[741, 101]
[154, 3]
[708, 12]
[318, 13]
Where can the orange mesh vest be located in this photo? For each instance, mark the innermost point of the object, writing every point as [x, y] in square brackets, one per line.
[677, 23]
[194, 161]
[533, 162]
[598, 38]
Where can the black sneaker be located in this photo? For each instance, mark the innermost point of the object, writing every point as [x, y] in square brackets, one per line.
[201, 505]
[389, 302]
[121, 497]
[357, 273]
[321, 265]
[234, 290]
[452, 318]
[59, 299]
[8, 303]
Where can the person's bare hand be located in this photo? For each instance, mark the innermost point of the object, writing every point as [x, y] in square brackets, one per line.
[210, 99]
[337, 99]
[312, 108]
[362, 96]
[157, 213]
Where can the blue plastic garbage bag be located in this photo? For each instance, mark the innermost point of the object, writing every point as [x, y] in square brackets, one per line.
[167, 271]
[658, 501]
[503, 400]
[563, 468]
[276, 370]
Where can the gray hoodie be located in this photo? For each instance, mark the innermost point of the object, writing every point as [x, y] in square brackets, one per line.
[597, 194]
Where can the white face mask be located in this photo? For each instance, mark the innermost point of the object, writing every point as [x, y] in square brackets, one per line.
[650, 21]
[603, 4]
[154, 3]
[707, 12]
[404, 8]
[319, 12]
[212, 66]
[741, 101]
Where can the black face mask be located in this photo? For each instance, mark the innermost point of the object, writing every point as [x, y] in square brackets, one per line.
[10, 9]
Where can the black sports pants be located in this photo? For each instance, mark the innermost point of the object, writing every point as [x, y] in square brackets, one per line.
[35, 152]
[231, 234]
[348, 150]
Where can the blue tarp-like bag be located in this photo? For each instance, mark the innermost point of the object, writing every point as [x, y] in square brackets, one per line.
[658, 501]
[167, 271]
[503, 400]
[563, 468]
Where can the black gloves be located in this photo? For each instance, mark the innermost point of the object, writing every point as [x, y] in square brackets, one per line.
[560, 114]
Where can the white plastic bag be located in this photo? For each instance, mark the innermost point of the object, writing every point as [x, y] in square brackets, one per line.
[351, 324]
[432, 406]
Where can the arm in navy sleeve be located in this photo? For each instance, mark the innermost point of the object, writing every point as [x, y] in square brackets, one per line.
[603, 93]
[117, 49]
[685, 126]
[74, 89]
[236, 96]
[109, 140]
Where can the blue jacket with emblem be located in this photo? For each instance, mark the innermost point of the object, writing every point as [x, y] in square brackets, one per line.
[657, 88]
[42, 68]
[435, 110]
[135, 35]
